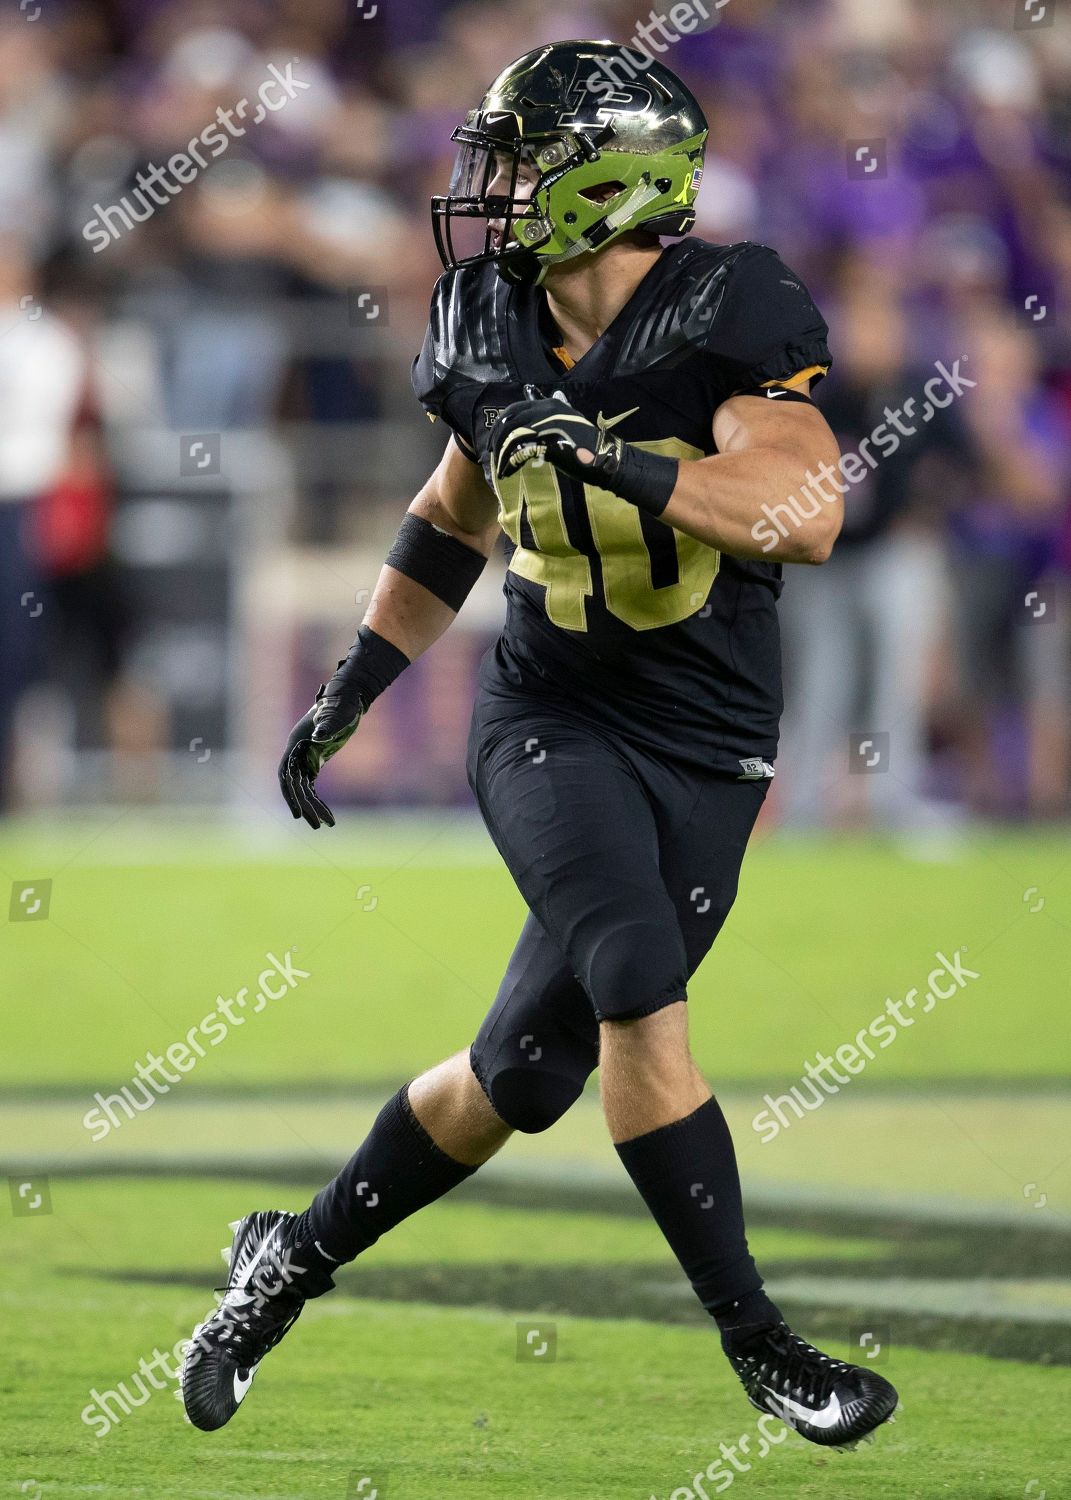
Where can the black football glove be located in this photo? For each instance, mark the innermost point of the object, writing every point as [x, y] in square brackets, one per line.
[313, 740]
[367, 669]
[550, 430]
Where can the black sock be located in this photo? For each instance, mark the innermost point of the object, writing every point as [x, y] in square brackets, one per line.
[396, 1170]
[686, 1174]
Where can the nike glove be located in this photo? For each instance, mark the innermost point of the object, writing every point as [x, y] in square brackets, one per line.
[370, 665]
[551, 430]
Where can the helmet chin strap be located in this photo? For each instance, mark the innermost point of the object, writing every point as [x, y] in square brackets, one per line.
[521, 268]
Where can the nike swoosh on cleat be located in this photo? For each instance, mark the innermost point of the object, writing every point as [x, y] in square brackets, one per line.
[237, 1296]
[241, 1386]
[829, 1415]
[265, 1246]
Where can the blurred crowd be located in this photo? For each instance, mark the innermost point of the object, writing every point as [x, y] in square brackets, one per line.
[912, 161]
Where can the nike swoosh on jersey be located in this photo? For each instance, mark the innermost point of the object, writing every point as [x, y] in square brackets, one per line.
[605, 423]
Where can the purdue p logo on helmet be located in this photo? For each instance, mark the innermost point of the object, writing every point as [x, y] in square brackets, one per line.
[570, 149]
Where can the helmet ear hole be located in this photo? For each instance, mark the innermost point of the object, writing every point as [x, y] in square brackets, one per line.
[602, 192]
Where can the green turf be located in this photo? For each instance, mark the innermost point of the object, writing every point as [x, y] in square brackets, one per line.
[133, 955]
[432, 1399]
[409, 1371]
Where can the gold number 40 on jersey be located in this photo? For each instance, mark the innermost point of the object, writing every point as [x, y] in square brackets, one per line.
[565, 573]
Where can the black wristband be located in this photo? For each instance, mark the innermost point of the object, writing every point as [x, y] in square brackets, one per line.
[646, 480]
[436, 560]
[369, 666]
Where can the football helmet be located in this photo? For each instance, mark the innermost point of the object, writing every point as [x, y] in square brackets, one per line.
[571, 147]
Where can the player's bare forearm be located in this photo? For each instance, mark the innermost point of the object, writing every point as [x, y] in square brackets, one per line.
[456, 499]
[767, 454]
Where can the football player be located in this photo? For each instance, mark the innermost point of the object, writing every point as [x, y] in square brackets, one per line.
[629, 413]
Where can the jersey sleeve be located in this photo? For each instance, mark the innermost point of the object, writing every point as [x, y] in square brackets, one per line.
[767, 330]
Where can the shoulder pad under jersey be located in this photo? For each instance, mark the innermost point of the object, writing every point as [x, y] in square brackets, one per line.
[739, 303]
[466, 341]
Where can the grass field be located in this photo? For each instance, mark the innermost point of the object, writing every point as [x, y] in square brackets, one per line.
[928, 1205]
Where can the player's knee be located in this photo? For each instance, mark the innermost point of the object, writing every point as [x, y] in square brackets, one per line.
[637, 971]
[533, 1103]
[530, 1086]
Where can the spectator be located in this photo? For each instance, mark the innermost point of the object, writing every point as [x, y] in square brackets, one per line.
[1011, 635]
[42, 370]
[861, 632]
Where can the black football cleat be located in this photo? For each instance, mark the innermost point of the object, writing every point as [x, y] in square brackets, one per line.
[266, 1290]
[824, 1400]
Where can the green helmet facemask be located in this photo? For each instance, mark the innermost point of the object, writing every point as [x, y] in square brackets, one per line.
[572, 147]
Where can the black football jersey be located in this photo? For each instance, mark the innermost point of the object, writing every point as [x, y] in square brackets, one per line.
[643, 630]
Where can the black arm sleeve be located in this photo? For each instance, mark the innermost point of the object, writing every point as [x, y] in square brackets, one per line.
[436, 560]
